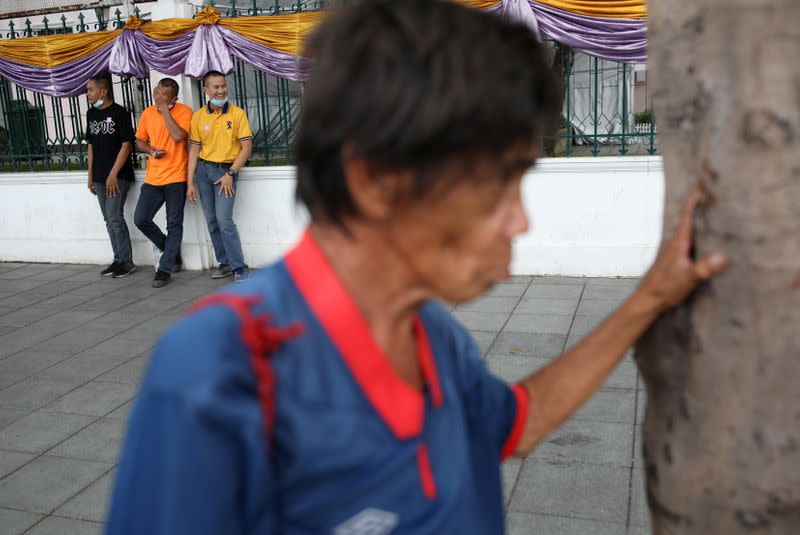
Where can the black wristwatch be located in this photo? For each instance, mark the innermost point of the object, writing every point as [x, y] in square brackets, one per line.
[231, 172]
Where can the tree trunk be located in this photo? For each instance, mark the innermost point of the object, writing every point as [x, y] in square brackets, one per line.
[722, 428]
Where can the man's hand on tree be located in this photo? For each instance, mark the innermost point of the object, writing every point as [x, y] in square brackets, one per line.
[675, 274]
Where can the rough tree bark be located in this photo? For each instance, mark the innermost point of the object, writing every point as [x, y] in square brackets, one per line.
[722, 428]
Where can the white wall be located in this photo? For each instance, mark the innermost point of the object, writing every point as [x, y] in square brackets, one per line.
[590, 216]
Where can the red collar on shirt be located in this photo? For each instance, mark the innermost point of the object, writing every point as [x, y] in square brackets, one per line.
[400, 406]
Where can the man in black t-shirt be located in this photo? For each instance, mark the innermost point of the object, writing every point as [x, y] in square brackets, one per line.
[109, 133]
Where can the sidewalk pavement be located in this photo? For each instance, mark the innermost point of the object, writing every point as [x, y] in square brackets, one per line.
[73, 347]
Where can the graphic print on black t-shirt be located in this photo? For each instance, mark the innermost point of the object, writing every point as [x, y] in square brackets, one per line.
[106, 131]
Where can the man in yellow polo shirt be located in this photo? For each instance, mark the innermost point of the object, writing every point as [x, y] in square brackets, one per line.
[220, 141]
[162, 134]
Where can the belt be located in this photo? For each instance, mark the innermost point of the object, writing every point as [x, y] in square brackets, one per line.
[221, 165]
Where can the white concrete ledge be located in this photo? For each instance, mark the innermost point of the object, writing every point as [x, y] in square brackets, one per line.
[590, 216]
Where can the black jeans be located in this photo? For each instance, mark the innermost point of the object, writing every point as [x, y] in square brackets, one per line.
[151, 199]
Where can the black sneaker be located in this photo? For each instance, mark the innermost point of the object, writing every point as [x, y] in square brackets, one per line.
[124, 269]
[161, 279]
[178, 264]
[111, 269]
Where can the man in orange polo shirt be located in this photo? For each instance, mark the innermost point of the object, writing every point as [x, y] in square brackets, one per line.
[161, 134]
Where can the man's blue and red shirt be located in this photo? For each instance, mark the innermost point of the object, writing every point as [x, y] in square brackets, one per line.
[270, 409]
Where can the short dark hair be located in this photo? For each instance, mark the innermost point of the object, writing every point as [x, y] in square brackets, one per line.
[412, 85]
[170, 83]
[103, 81]
[211, 74]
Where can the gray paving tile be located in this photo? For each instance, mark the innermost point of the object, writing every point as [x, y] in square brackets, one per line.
[489, 304]
[16, 522]
[11, 460]
[543, 305]
[75, 341]
[572, 490]
[155, 306]
[641, 404]
[581, 326]
[90, 504]
[30, 361]
[27, 272]
[530, 344]
[559, 280]
[484, 339]
[94, 399]
[616, 406]
[4, 329]
[40, 293]
[509, 472]
[481, 321]
[34, 392]
[97, 442]
[108, 303]
[41, 430]
[123, 412]
[623, 376]
[10, 378]
[54, 525]
[9, 414]
[43, 330]
[92, 363]
[554, 291]
[538, 323]
[513, 368]
[15, 286]
[506, 290]
[21, 317]
[597, 307]
[587, 442]
[640, 515]
[47, 482]
[532, 524]
[129, 373]
[611, 292]
[518, 279]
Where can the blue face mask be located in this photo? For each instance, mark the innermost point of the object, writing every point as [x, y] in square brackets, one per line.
[99, 102]
[218, 103]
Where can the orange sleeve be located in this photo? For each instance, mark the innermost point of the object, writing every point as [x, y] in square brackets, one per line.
[141, 128]
[184, 120]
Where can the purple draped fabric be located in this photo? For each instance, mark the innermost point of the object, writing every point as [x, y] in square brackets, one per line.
[623, 40]
[271, 61]
[135, 54]
[197, 52]
[208, 53]
[522, 12]
[67, 80]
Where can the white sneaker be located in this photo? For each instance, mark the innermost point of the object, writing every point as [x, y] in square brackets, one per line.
[156, 256]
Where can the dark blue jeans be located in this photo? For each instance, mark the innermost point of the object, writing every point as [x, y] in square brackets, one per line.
[113, 212]
[151, 199]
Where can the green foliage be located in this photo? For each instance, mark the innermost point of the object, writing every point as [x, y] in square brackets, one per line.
[644, 117]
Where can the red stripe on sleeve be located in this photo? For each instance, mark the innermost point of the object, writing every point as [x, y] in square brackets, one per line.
[515, 435]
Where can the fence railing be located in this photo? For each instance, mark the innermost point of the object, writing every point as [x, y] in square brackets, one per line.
[605, 104]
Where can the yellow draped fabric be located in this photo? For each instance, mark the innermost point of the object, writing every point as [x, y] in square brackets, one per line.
[50, 51]
[618, 9]
[284, 33]
[167, 29]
